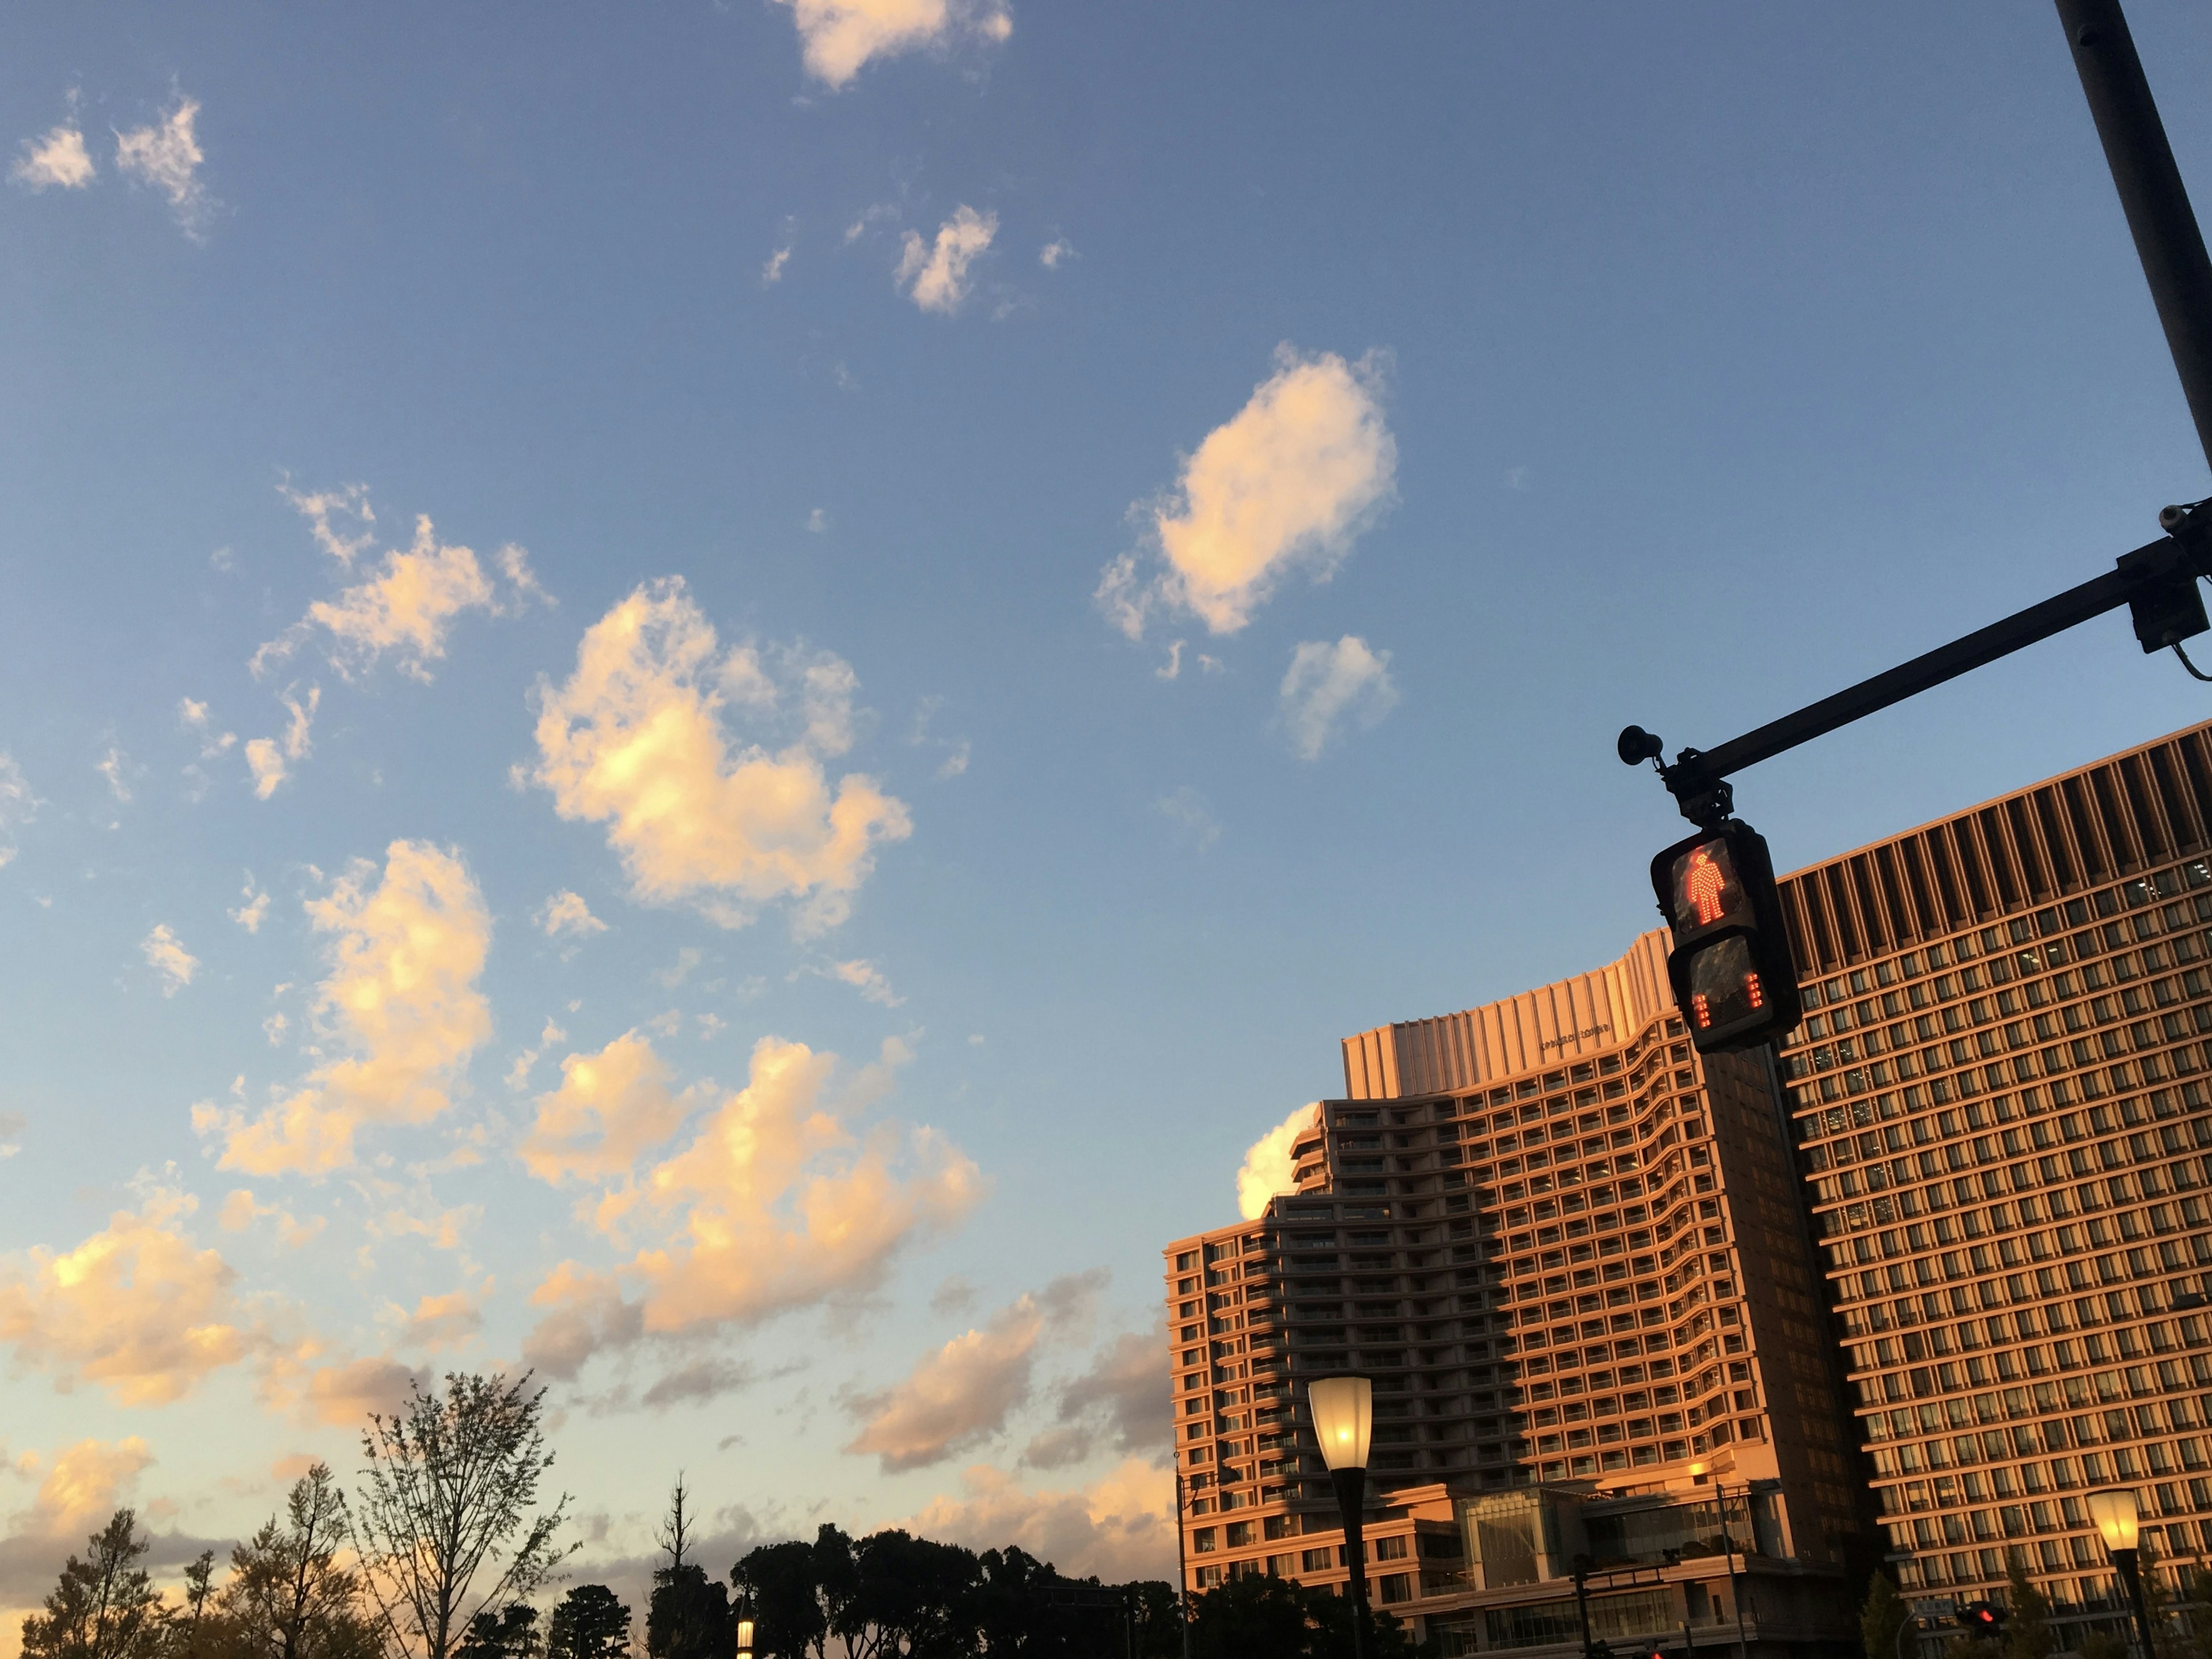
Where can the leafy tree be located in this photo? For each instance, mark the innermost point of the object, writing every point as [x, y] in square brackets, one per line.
[105, 1607]
[189, 1628]
[287, 1597]
[778, 1584]
[1256, 1615]
[690, 1615]
[2102, 1645]
[442, 1518]
[1882, 1619]
[913, 1596]
[589, 1622]
[2027, 1628]
[509, 1633]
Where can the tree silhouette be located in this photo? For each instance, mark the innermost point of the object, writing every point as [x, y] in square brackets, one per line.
[106, 1606]
[589, 1622]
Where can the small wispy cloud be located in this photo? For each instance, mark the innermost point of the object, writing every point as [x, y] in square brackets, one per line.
[251, 914]
[1190, 811]
[935, 273]
[166, 156]
[55, 160]
[838, 38]
[1329, 686]
[772, 272]
[166, 955]
[566, 915]
[1054, 253]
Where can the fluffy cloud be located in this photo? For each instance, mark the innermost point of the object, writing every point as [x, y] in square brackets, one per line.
[168, 156]
[935, 273]
[135, 1308]
[251, 914]
[867, 978]
[1269, 1166]
[343, 1394]
[838, 37]
[566, 913]
[240, 1210]
[401, 997]
[1290, 480]
[443, 1322]
[166, 955]
[1327, 686]
[57, 157]
[781, 1201]
[1053, 252]
[1122, 1397]
[77, 1491]
[269, 759]
[1117, 1529]
[407, 607]
[960, 1395]
[610, 1107]
[637, 739]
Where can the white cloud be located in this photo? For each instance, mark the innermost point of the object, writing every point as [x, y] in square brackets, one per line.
[638, 739]
[18, 803]
[135, 1307]
[1290, 481]
[566, 913]
[1188, 809]
[782, 1200]
[406, 609]
[1123, 1396]
[401, 997]
[772, 272]
[115, 766]
[1269, 1166]
[960, 1395]
[57, 157]
[166, 955]
[168, 156]
[837, 37]
[935, 275]
[1328, 685]
[240, 1210]
[1053, 252]
[868, 979]
[817, 522]
[1117, 1529]
[251, 914]
[268, 758]
[77, 1491]
[193, 717]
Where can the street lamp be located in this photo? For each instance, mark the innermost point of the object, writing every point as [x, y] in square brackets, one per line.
[1344, 1422]
[744, 1639]
[2116, 1513]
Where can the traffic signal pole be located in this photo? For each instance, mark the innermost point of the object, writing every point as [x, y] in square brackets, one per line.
[2156, 581]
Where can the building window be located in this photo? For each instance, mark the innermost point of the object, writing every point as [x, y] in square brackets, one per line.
[1397, 1587]
[1202, 1540]
[1390, 1549]
[1316, 1560]
[1240, 1533]
[1207, 1577]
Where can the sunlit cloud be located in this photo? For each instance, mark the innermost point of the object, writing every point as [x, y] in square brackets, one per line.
[1115, 1528]
[406, 610]
[1329, 687]
[566, 915]
[1269, 1166]
[76, 1491]
[772, 272]
[961, 1394]
[612, 1107]
[1054, 253]
[783, 1199]
[640, 738]
[251, 914]
[166, 955]
[135, 1308]
[56, 159]
[166, 156]
[269, 758]
[1289, 482]
[401, 1000]
[1121, 1399]
[838, 38]
[935, 273]
[19, 804]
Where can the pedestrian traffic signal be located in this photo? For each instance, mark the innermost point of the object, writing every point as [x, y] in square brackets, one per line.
[1734, 978]
[1982, 1619]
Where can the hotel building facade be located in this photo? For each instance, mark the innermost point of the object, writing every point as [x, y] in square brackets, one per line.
[1735, 1327]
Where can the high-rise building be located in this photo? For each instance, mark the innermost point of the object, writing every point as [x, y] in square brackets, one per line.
[1570, 1253]
[1716, 1323]
[2000, 1091]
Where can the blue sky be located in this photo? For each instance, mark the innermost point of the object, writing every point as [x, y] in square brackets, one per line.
[1116, 540]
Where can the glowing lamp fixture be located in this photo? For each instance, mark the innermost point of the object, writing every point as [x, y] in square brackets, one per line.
[1344, 1419]
[2115, 1513]
[744, 1639]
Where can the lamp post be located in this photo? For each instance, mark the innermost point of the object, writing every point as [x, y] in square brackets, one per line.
[744, 1639]
[1344, 1422]
[2116, 1513]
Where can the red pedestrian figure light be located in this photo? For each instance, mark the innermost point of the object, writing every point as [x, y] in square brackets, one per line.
[1703, 886]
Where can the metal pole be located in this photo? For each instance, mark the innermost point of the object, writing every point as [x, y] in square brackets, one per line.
[2131, 1575]
[1350, 1502]
[1912, 1623]
[1728, 1543]
[2167, 241]
[1182, 1574]
[1580, 1573]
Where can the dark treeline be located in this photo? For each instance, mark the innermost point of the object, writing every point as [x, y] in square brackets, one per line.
[398, 1571]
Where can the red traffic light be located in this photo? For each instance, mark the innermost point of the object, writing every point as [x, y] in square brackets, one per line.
[1731, 969]
[1981, 1618]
